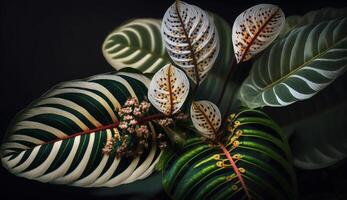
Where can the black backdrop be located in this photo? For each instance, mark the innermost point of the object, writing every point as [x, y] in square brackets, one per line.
[47, 42]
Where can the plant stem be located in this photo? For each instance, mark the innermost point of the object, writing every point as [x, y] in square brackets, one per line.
[225, 84]
[236, 169]
[145, 119]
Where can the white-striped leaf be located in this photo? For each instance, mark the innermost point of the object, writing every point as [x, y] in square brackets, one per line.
[136, 44]
[313, 17]
[298, 66]
[168, 89]
[191, 39]
[255, 29]
[45, 141]
[206, 118]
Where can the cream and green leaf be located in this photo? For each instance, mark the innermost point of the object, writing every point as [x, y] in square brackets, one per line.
[53, 139]
[297, 67]
[202, 171]
[136, 44]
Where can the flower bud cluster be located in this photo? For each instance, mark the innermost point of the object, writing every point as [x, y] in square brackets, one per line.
[133, 137]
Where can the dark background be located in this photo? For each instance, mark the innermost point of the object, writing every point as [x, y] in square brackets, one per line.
[46, 42]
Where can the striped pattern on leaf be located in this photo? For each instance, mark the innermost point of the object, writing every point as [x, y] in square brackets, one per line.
[262, 155]
[136, 44]
[298, 66]
[255, 29]
[191, 39]
[168, 89]
[44, 141]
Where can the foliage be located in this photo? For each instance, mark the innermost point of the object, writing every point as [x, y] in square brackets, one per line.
[298, 66]
[109, 129]
[202, 171]
[59, 137]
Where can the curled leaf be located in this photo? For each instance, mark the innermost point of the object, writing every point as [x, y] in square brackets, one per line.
[168, 89]
[191, 39]
[255, 29]
[206, 118]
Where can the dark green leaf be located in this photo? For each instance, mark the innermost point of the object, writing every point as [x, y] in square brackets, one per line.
[202, 171]
[297, 67]
[49, 140]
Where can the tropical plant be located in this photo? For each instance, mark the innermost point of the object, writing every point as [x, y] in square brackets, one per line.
[177, 104]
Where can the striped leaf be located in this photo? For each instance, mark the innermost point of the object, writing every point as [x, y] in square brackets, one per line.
[255, 29]
[59, 137]
[298, 66]
[191, 39]
[313, 17]
[261, 156]
[206, 118]
[136, 44]
[168, 89]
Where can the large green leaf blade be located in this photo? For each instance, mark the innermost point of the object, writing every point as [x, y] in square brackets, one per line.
[136, 44]
[48, 141]
[298, 66]
[201, 170]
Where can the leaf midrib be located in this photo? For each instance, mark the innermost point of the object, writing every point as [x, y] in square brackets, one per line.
[190, 47]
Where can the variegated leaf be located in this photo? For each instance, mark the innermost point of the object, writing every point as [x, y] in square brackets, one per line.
[59, 137]
[168, 89]
[297, 67]
[255, 29]
[136, 44]
[191, 39]
[206, 118]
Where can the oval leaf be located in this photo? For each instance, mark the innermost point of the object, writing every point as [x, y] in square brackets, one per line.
[255, 29]
[298, 66]
[206, 118]
[59, 138]
[136, 44]
[191, 39]
[261, 155]
[168, 89]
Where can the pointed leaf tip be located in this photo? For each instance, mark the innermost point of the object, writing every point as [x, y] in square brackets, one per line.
[191, 39]
[206, 118]
[255, 29]
[168, 89]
